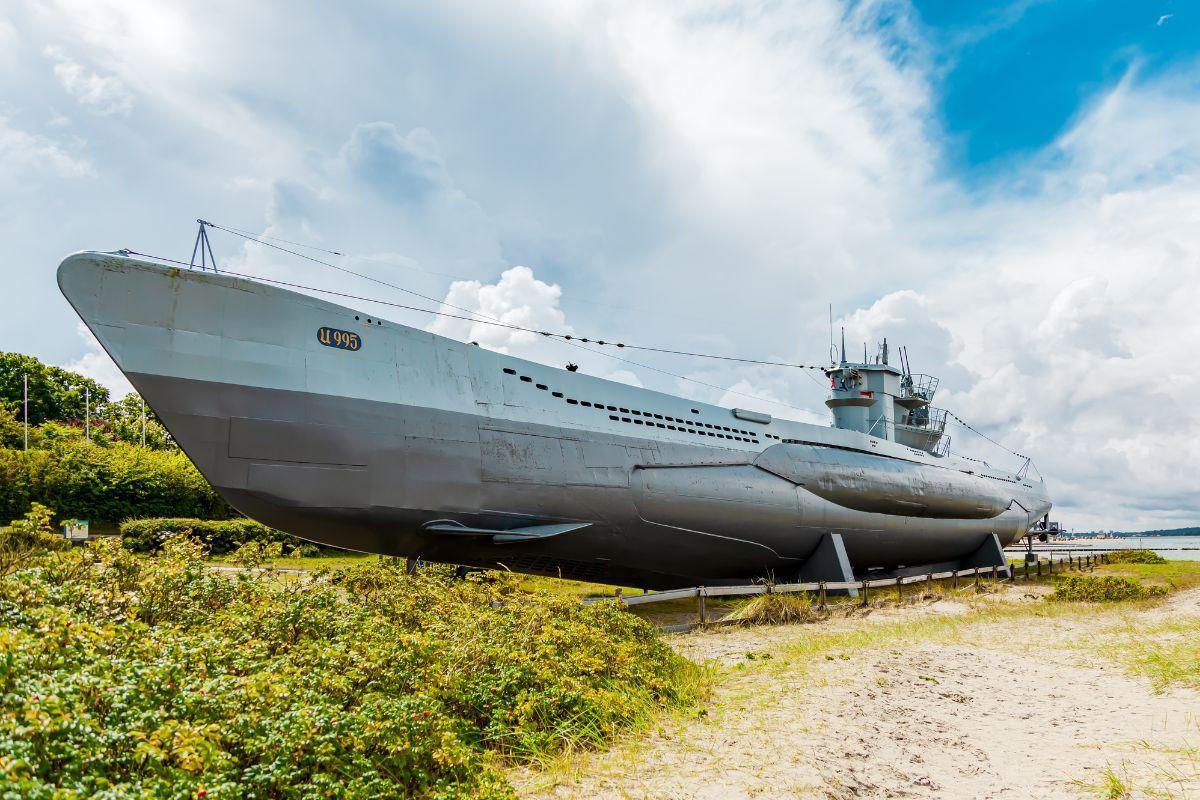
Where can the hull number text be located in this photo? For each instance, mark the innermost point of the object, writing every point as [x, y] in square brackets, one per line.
[343, 340]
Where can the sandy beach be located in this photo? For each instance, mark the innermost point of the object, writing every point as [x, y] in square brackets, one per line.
[1000, 695]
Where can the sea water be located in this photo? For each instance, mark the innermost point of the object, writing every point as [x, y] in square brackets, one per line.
[1175, 548]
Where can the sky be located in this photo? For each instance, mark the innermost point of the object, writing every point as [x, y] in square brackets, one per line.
[1009, 189]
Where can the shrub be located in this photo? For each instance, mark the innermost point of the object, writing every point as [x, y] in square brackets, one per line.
[106, 483]
[1103, 588]
[157, 677]
[220, 536]
[1135, 557]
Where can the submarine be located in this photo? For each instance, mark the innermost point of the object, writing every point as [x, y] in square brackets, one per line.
[361, 433]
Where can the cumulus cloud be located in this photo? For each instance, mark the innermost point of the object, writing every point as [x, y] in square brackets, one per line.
[23, 153]
[518, 298]
[705, 176]
[103, 94]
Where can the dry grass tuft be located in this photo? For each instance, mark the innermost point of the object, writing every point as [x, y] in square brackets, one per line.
[778, 609]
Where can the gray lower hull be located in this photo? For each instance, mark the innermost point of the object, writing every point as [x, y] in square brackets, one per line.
[368, 476]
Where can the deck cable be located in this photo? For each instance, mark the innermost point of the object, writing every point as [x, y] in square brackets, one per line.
[490, 321]
[549, 334]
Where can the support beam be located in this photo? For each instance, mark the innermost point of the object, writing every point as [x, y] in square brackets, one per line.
[988, 554]
[828, 563]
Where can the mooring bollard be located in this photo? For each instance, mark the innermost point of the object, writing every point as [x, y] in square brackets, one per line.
[865, 588]
[700, 595]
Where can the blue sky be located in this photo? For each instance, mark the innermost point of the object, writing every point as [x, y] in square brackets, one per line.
[1011, 189]
[1017, 73]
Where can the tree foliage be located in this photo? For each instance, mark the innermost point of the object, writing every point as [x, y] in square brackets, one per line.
[109, 484]
[55, 394]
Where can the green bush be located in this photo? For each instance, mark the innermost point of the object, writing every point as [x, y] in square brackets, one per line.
[1135, 557]
[129, 676]
[1103, 588]
[106, 484]
[220, 536]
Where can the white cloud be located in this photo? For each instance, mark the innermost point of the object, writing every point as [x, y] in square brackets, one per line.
[96, 364]
[23, 153]
[518, 298]
[700, 175]
[104, 94]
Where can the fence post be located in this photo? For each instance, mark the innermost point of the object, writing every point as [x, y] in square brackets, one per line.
[993, 573]
[899, 589]
[617, 595]
[700, 594]
[1050, 565]
[977, 579]
[1039, 566]
[954, 578]
[821, 590]
[865, 588]
[929, 583]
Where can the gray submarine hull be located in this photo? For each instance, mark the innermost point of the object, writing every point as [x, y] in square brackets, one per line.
[400, 442]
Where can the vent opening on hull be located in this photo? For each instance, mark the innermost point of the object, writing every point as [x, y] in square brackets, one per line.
[646, 418]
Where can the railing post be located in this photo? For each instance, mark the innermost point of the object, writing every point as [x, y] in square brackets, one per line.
[865, 589]
[700, 595]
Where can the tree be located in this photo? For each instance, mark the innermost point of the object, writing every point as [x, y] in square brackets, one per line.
[55, 394]
[123, 420]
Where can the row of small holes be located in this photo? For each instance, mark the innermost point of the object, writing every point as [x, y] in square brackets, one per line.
[696, 423]
[369, 322]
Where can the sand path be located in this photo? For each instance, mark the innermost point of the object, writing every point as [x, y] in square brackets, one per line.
[992, 706]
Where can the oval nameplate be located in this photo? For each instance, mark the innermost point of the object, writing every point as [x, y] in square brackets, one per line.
[343, 340]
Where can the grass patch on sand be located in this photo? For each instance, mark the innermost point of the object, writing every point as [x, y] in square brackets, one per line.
[778, 609]
[1103, 589]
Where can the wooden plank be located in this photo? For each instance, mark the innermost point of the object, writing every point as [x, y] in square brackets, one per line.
[659, 597]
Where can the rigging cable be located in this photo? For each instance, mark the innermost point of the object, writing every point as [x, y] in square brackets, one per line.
[963, 423]
[490, 321]
[569, 339]
[549, 334]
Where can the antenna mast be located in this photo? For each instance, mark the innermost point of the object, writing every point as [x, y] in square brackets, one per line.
[202, 245]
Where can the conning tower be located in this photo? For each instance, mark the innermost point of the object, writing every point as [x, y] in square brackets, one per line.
[887, 402]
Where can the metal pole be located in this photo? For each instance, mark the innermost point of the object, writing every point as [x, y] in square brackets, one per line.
[25, 411]
[865, 589]
[899, 589]
[87, 413]
[700, 595]
[143, 422]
